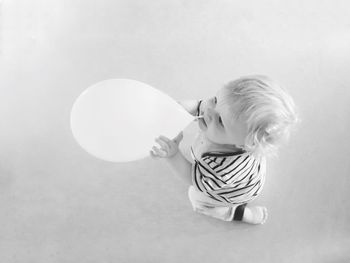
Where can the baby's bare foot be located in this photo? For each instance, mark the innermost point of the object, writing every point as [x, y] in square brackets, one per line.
[255, 215]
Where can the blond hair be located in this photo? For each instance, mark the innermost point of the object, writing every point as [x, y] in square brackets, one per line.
[268, 110]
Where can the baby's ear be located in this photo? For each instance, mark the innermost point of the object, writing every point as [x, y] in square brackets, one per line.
[265, 135]
[273, 134]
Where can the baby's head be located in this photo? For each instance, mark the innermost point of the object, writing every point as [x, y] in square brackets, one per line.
[254, 112]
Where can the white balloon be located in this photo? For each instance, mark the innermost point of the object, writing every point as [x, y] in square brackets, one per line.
[118, 120]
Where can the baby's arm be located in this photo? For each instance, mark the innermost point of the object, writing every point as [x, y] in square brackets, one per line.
[170, 148]
[169, 151]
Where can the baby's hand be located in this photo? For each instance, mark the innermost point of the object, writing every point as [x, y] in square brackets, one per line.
[168, 148]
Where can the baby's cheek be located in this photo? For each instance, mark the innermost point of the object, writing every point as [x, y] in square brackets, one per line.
[238, 138]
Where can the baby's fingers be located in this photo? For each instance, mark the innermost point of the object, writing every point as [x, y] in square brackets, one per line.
[176, 140]
[165, 139]
[164, 145]
[153, 155]
[159, 152]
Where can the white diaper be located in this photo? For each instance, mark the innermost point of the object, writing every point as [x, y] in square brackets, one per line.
[203, 204]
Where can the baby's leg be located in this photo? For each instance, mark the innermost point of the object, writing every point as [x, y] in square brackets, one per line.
[205, 205]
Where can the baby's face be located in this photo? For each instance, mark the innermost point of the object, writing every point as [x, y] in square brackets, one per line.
[219, 124]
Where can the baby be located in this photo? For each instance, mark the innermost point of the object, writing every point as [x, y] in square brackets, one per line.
[239, 127]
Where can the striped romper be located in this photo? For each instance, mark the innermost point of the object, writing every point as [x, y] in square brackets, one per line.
[225, 181]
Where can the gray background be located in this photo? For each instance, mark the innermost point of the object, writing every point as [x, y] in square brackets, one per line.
[59, 204]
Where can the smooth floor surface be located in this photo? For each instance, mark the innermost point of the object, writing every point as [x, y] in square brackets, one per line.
[59, 204]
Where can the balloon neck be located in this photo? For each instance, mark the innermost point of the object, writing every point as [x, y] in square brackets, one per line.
[198, 117]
